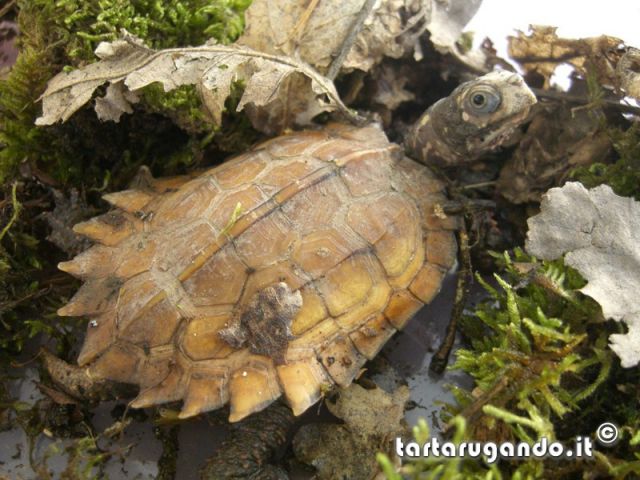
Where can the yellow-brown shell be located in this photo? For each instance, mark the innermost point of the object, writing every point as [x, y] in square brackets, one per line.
[339, 215]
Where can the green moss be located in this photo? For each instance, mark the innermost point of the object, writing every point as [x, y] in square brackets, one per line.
[19, 139]
[161, 24]
[182, 105]
[542, 368]
[55, 34]
[167, 464]
[527, 342]
[455, 468]
[623, 175]
[465, 42]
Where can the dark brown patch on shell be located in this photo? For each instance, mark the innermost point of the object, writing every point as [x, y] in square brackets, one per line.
[265, 325]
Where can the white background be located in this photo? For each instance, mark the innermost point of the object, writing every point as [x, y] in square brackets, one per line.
[575, 18]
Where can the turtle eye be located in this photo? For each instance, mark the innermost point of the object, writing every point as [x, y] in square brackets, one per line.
[483, 99]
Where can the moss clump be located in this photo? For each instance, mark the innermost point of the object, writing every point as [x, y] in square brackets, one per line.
[161, 24]
[623, 175]
[182, 105]
[20, 140]
[59, 33]
[538, 353]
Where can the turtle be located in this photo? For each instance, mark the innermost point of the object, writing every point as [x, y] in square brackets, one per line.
[280, 272]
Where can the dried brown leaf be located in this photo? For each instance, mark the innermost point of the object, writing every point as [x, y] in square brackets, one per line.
[312, 31]
[371, 416]
[117, 100]
[388, 86]
[599, 234]
[67, 213]
[371, 411]
[392, 30]
[315, 31]
[542, 51]
[628, 72]
[290, 107]
[212, 68]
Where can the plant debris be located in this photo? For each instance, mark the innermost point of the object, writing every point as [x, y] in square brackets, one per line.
[390, 89]
[8, 49]
[628, 72]
[76, 383]
[64, 216]
[371, 411]
[599, 233]
[372, 418]
[541, 51]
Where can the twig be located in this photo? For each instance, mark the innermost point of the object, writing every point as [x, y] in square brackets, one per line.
[567, 97]
[4, 10]
[15, 364]
[457, 206]
[473, 186]
[350, 39]
[10, 305]
[413, 21]
[441, 357]
[16, 211]
[297, 31]
[476, 407]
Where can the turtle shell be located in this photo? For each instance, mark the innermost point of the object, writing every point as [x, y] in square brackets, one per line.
[279, 272]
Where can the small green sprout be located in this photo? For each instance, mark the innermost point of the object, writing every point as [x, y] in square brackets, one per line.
[235, 215]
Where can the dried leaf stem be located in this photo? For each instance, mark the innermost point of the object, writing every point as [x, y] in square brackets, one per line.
[350, 39]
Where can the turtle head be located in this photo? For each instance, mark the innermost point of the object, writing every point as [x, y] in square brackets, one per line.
[476, 118]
